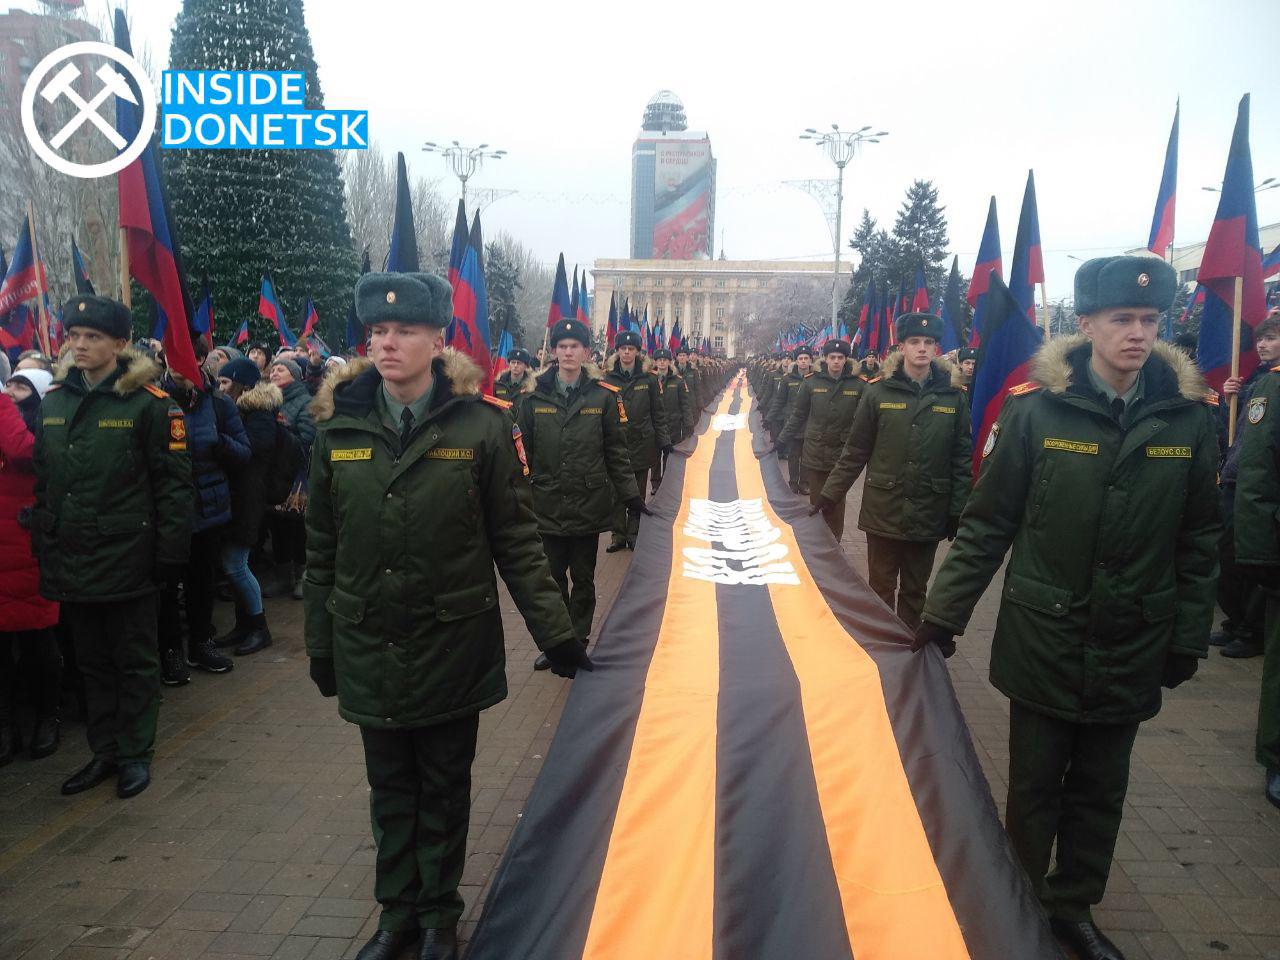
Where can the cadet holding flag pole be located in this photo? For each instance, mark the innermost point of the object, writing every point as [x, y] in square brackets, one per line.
[418, 489]
[1100, 475]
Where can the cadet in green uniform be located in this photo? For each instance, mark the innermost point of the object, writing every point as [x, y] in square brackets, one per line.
[516, 379]
[693, 377]
[1257, 554]
[912, 434]
[647, 435]
[112, 518]
[820, 419]
[574, 428]
[418, 488]
[779, 412]
[1100, 474]
[677, 403]
[966, 360]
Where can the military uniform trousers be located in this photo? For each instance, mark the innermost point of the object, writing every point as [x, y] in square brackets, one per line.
[119, 661]
[1268, 743]
[1243, 602]
[420, 805]
[1067, 782]
[573, 567]
[835, 517]
[902, 567]
[626, 522]
[795, 475]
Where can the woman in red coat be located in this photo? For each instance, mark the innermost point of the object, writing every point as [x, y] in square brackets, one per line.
[26, 619]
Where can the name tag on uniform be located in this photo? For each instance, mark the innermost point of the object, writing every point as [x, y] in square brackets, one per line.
[544, 409]
[451, 453]
[54, 421]
[893, 406]
[850, 393]
[944, 409]
[1071, 446]
[642, 386]
[359, 453]
[596, 410]
[820, 390]
[1176, 453]
[115, 424]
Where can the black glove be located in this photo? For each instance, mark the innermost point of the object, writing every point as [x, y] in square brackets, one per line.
[953, 527]
[822, 506]
[568, 658]
[166, 574]
[666, 451]
[1179, 668]
[1266, 577]
[780, 448]
[637, 504]
[928, 633]
[323, 677]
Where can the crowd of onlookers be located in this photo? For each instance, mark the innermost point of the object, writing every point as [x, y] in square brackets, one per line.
[248, 431]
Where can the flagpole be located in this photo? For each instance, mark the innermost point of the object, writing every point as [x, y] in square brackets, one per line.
[1235, 358]
[126, 294]
[1044, 299]
[41, 282]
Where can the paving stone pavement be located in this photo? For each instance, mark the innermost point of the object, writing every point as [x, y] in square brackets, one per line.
[254, 840]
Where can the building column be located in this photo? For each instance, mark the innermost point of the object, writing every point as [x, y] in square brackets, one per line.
[707, 330]
[686, 315]
[666, 311]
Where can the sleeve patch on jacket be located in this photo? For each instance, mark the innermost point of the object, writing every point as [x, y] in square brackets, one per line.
[992, 437]
[177, 428]
[517, 438]
[1257, 409]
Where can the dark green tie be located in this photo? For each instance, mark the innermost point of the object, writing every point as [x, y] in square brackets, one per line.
[406, 428]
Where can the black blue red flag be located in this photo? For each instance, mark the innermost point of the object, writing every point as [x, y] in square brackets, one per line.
[23, 279]
[611, 331]
[355, 329]
[988, 265]
[469, 329]
[1028, 262]
[1004, 358]
[1232, 250]
[270, 310]
[402, 252]
[202, 321]
[952, 311]
[310, 320]
[560, 308]
[155, 257]
[1162, 222]
[920, 299]
[79, 272]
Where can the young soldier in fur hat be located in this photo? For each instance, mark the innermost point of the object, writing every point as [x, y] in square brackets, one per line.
[516, 379]
[912, 434]
[779, 412]
[112, 520]
[1100, 475]
[418, 489]
[647, 436]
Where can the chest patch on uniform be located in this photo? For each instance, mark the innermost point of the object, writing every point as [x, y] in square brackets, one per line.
[1257, 409]
[544, 409]
[355, 453]
[1070, 446]
[595, 410]
[990, 444]
[893, 406]
[116, 424]
[1176, 453]
[451, 453]
[54, 421]
[944, 409]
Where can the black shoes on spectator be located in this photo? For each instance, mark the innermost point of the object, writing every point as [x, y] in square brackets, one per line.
[134, 777]
[44, 741]
[387, 945]
[173, 669]
[89, 776]
[438, 945]
[1084, 937]
[204, 656]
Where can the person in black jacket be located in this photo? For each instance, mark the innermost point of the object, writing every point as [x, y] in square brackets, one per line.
[217, 443]
[259, 402]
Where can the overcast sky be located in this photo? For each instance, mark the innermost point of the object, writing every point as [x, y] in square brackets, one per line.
[973, 95]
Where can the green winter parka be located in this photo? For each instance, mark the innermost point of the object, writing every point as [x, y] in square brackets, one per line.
[401, 548]
[914, 441]
[1257, 499]
[113, 485]
[784, 398]
[1114, 535]
[822, 415]
[646, 429]
[504, 388]
[678, 405]
[578, 459]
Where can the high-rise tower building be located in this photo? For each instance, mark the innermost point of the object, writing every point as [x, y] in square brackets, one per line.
[673, 186]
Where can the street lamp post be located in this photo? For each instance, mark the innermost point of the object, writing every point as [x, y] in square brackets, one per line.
[841, 147]
[1271, 183]
[464, 161]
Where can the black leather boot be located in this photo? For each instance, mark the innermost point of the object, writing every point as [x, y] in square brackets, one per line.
[134, 777]
[44, 741]
[258, 637]
[387, 945]
[439, 945]
[1084, 937]
[89, 776]
[235, 636]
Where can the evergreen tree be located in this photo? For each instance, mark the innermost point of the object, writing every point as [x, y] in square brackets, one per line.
[502, 281]
[241, 213]
[876, 255]
[920, 232]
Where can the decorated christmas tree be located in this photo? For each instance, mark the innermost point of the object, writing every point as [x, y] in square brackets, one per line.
[241, 213]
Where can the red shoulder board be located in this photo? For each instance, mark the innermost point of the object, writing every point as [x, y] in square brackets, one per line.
[874, 380]
[1211, 398]
[1276, 368]
[499, 403]
[155, 391]
[609, 386]
[1023, 388]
